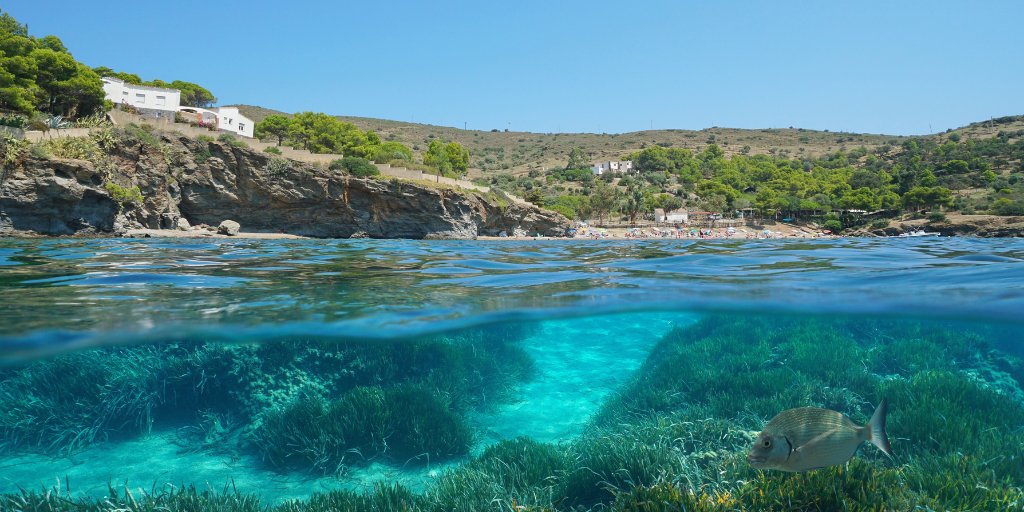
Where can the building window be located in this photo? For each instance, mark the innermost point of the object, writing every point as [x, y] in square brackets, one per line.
[140, 98]
[161, 100]
[241, 127]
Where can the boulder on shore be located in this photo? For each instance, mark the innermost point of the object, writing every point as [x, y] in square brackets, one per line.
[228, 227]
[183, 224]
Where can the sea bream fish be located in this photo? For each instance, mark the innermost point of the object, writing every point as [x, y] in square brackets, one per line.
[810, 438]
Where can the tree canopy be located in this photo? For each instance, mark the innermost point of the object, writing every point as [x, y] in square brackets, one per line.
[321, 133]
[38, 74]
[450, 159]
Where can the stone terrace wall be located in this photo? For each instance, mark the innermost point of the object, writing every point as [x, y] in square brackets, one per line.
[36, 136]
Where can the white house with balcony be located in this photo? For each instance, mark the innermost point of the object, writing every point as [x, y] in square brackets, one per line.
[624, 167]
[150, 101]
[228, 119]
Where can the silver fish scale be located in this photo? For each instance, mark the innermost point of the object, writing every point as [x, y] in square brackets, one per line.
[803, 424]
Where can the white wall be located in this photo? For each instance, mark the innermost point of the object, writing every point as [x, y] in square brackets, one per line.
[230, 119]
[624, 167]
[112, 89]
[140, 96]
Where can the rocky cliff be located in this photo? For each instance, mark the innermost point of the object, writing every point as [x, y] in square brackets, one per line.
[208, 182]
[955, 224]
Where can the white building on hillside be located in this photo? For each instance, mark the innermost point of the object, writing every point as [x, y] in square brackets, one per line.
[152, 101]
[674, 216]
[625, 166]
[228, 119]
[160, 102]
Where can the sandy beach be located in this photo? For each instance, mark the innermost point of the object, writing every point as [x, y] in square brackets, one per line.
[588, 233]
[202, 233]
[667, 233]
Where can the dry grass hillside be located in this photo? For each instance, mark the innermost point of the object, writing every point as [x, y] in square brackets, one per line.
[520, 152]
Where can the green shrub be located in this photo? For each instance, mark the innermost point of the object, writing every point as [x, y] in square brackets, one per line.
[833, 225]
[355, 166]
[143, 134]
[124, 195]
[936, 217]
[13, 121]
[11, 149]
[231, 140]
[277, 166]
[1004, 206]
[204, 138]
[40, 150]
[273, 150]
[80, 148]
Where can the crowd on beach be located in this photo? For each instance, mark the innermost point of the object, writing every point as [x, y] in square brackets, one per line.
[681, 232]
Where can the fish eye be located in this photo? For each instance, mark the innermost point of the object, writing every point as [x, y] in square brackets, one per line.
[767, 443]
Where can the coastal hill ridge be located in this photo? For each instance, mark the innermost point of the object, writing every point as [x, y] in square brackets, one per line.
[517, 153]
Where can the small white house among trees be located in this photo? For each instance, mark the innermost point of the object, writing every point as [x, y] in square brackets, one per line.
[151, 101]
[624, 166]
[228, 119]
[160, 102]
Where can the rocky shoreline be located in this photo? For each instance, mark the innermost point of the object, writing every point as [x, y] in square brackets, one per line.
[209, 182]
[955, 224]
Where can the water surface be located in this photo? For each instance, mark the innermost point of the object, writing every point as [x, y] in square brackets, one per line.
[610, 370]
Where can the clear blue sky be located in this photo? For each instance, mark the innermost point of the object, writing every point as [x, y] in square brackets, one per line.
[894, 67]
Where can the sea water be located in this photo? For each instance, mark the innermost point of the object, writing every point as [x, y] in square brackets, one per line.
[616, 373]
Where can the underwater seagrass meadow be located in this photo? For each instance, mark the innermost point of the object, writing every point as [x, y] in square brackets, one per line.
[453, 376]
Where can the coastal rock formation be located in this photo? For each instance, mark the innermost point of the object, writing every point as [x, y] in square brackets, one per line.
[988, 226]
[228, 227]
[55, 197]
[205, 182]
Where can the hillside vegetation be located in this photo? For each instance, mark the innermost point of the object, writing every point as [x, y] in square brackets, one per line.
[517, 153]
[773, 173]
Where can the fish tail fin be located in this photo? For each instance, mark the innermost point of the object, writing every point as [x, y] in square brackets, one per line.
[877, 428]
